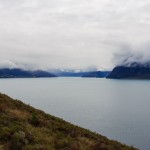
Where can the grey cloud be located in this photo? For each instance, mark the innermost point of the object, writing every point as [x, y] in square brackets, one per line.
[131, 55]
[70, 33]
[8, 64]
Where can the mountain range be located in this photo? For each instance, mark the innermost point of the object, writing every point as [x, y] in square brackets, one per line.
[96, 74]
[20, 73]
[80, 73]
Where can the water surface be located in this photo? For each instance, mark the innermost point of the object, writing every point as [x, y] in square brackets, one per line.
[118, 109]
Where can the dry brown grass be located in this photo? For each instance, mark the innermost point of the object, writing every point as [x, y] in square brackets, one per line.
[20, 114]
[23, 127]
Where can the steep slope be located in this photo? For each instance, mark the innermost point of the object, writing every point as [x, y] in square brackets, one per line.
[133, 72]
[23, 127]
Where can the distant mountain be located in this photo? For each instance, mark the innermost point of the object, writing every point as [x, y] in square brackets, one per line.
[130, 72]
[71, 74]
[97, 74]
[19, 73]
[80, 73]
[68, 72]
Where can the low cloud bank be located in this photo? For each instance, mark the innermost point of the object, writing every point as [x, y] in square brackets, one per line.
[132, 56]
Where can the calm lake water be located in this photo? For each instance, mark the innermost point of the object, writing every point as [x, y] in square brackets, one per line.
[118, 109]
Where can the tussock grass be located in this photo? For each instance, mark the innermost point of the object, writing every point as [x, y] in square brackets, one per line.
[23, 127]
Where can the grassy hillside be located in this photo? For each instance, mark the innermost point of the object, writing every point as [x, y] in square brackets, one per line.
[23, 127]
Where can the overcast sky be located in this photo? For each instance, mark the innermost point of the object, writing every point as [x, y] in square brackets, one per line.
[71, 33]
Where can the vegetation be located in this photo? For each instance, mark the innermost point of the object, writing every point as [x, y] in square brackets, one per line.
[23, 127]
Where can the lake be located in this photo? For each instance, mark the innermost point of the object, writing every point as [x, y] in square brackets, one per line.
[118, 109]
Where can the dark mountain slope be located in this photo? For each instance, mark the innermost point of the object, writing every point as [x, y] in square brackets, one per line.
[133, 72]
[70, 74]
[19, 73]
[97, 74]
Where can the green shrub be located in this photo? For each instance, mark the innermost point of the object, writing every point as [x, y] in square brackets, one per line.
[16, 128]
[34, 120]
[18, 141]
[5, 133]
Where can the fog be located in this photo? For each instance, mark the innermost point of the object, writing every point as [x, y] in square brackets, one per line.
[130, 55]
[74, 34]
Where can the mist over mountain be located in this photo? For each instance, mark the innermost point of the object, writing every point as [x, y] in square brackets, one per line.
[131, 65]
[132, 57]
[20, 73]
[91, 71]
[136, 72]
[15, 72]
[70, 33]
